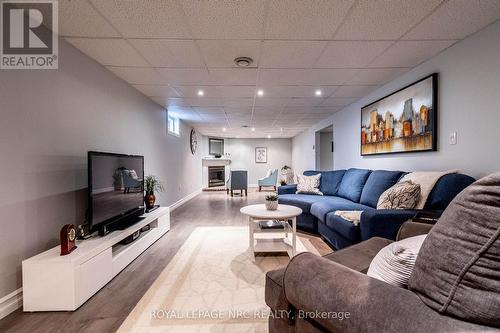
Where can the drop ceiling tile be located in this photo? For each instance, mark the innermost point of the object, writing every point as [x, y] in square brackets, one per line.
[192, 91]
[113, 52]
[338, 101]
[177, 102]
[410, 53]
[80, 19]
[205, 102]
[138, 75]
[156, 90]
[221, 53]
[171, 103]
[215, 111]
[303, 20]
[354, 54]
[354, 91]
[234, 76]
[456, 19]
[297, 91]
[290, 54]
[225, 19]
[238, 102]
[238, 111]
[237, 91]
[169, 53]
[332, 76]
[304, 101]
[185, 76]
[295, 110]
[383, 20]
[267, 110]
[271, 102]
[375, 76]
[145, 19]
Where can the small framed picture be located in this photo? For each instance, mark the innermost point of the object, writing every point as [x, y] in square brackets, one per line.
[261, 155]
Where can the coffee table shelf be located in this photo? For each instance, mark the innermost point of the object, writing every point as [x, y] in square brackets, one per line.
[272, 240]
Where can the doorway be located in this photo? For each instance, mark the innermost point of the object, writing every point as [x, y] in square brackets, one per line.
[324, 149]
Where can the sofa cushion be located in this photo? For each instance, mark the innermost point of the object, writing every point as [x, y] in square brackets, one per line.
[346, 228]
[330, 180]
[446, 188]
[352, 184]
[303, 201]
[376, 184]
[308, 184]
[331, 204]
[462, 279]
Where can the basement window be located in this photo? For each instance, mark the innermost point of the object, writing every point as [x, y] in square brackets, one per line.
[173, 125]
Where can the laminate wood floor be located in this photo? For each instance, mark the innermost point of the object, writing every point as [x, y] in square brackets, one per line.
[107, 309]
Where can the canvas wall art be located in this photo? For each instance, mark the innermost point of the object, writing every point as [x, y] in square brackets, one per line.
[261, 155]
[404, 121]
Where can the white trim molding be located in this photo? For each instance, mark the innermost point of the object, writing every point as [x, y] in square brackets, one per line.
[11, 302]
[182, 201]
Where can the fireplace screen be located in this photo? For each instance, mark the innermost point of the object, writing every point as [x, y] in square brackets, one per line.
[216, 176]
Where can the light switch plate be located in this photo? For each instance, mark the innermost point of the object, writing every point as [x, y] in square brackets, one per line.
[453, 138]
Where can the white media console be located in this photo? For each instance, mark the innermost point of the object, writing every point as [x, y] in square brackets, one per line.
[52, 282]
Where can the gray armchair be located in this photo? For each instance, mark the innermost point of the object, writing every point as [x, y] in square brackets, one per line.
[238, 180]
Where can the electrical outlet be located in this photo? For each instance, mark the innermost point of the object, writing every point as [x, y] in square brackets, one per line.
[453, 138]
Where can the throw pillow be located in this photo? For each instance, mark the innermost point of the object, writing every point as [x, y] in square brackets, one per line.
[394, 263]
[458, 269]
[133, 174]
[403, 195]
[308, 184]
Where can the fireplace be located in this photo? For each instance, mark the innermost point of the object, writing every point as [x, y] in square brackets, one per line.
[216, 176]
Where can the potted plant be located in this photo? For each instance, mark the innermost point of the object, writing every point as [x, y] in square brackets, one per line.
[271, 202]
[151, 185]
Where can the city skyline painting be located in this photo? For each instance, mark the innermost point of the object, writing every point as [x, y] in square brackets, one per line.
[404, 121]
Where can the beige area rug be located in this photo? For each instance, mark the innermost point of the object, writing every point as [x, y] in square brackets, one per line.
[211, 285]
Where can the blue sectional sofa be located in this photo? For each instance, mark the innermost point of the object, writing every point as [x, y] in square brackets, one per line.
[360, 189]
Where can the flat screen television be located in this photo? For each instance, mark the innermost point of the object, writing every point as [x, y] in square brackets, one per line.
[115, 187]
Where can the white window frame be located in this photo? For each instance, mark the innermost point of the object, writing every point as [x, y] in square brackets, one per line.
[173, 125]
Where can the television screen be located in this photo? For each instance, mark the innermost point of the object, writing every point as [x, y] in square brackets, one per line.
[115, 186]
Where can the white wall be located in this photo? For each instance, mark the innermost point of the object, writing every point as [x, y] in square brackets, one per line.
[49, 119]
[279, 153]
[469, 86]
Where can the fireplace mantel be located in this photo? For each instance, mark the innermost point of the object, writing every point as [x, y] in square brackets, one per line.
[212, 161]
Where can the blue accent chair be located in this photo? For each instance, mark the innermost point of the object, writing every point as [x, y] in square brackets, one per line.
[238, 180]
[360, 189]
[129, 182]
[269, 181]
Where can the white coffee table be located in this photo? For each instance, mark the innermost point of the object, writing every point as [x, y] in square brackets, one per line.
[272, 240]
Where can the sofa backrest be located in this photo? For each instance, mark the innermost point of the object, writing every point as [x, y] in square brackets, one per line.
[447, 188]
[457, 271]
[352, 184]
[376, 184]
[329, 181]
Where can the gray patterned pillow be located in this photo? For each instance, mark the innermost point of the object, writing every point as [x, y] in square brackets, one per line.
[403, 195]
[308, 184]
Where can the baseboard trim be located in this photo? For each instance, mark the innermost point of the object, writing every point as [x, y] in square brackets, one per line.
[182, 201]
[11, 302]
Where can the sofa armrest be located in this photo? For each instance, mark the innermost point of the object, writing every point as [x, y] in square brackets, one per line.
[411, 229]
[287, 189]
[325, 292]
[384, 223]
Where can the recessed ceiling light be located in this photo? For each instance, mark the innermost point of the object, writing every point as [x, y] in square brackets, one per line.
[201, 92]
[253, 129]
[268, 136]
[318, 92]
[243, 61]
[224, 129]
[260, 92]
